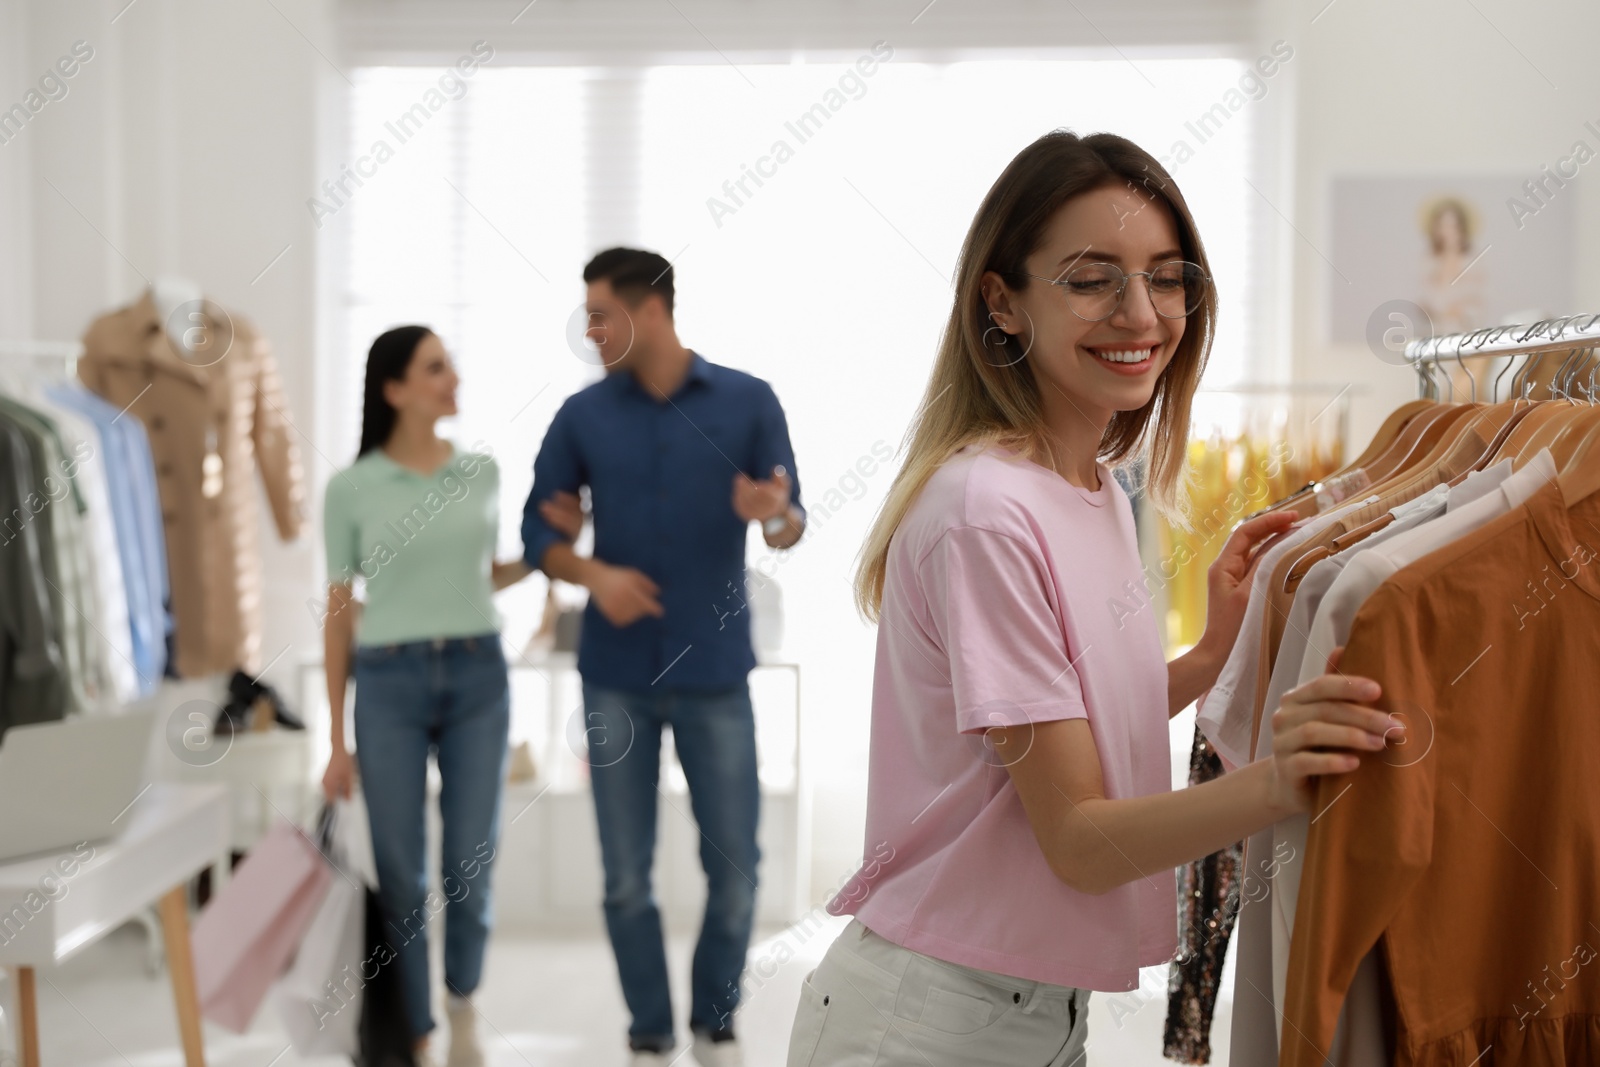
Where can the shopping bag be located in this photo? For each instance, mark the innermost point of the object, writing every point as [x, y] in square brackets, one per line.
[386, 1039]
[248, 932]
[352, 836]
[319, 999]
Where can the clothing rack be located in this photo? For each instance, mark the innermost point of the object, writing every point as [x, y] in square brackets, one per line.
[1570, 334]
[62, 353]
[1456, 512]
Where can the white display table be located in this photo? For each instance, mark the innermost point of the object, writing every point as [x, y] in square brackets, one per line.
[173, 832]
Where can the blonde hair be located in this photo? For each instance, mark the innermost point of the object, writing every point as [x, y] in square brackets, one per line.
[974, 399]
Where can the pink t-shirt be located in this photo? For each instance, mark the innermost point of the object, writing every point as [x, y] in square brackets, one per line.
[1011, 596]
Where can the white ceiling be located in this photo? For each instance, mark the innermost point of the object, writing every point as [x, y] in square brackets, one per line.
[605, 32]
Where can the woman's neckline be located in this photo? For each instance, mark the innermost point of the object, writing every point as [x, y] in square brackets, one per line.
[1096, 497]
[449, 458]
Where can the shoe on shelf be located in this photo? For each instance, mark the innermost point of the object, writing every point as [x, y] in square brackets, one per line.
[245, 691]
[280, 711]
[714, 1053]
[464, 1048]
[232, 718]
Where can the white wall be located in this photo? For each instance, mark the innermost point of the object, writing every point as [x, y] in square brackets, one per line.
[1427, 87]
[185, 146]
[16, 162]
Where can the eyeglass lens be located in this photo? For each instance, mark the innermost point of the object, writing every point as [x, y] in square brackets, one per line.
[1095, 290]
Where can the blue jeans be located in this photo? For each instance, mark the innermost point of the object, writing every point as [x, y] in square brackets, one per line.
[716, 741]
[450, 697]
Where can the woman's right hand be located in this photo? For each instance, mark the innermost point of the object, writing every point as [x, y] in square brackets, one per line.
[339, 779]
[1318, 730]
[564, 512]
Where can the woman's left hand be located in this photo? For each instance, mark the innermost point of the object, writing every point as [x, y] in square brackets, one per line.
[1228, 580]
[508, 573]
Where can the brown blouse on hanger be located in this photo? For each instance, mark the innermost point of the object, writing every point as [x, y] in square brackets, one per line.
[1472, 861]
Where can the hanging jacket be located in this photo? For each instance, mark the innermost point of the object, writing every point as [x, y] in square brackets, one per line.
[215, 416]
[63, 548]
[32, 671]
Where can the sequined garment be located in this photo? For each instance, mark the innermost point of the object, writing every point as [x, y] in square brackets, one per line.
[1208, 904]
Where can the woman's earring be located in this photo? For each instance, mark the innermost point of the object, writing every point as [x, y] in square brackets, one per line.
[1003, 345]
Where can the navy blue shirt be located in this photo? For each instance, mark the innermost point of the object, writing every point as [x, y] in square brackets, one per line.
[660, 476]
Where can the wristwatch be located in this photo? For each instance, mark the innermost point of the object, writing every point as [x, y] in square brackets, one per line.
[776, 525]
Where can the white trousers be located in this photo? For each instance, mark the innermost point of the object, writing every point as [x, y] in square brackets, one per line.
[871, 1003]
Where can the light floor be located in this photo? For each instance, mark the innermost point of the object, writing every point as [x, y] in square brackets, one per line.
[544, 1003]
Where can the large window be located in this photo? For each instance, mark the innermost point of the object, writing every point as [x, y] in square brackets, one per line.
[829, 277]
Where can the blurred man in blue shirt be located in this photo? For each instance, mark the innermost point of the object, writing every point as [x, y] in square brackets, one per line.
[680, 455]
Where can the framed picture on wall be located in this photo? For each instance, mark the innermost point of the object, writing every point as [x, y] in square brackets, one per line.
[1463, 251]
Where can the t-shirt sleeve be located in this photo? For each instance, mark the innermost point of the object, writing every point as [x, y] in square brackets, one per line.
[993, 609]
[339, 534]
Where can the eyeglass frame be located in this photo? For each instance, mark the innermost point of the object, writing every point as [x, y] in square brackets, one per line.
[1122, 290]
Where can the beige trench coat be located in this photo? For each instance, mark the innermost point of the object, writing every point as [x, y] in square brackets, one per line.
[214, 416]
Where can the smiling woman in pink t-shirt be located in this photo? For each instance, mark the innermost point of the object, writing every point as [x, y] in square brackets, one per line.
[1021, 831]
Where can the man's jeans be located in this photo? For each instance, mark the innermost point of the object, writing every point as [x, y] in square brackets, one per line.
[715, 737]
[450, 696]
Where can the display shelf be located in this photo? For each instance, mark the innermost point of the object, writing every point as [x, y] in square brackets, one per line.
[268, 773]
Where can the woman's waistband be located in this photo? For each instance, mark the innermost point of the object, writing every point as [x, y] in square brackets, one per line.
[880, 951]
[469, 643]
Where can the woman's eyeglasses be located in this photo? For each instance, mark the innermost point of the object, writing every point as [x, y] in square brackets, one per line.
[1094, 290]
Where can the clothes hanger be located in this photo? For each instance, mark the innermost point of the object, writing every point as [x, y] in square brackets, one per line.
[1566, 447]
[1449, 446]
[1464, 443]
[1494, 386]
[1546, 419]
[1387, 436]
[1482, 440]
[1414, 440]
[1404, 417]
[1564, 442]
[1579, 478]
[1387, 433]
[1467, 443]
[1475, 447]
[1526, 380]
[1435, 442]
[1311, 556]
[1398, 433]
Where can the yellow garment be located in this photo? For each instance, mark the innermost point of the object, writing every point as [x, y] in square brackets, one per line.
[1232, 477]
